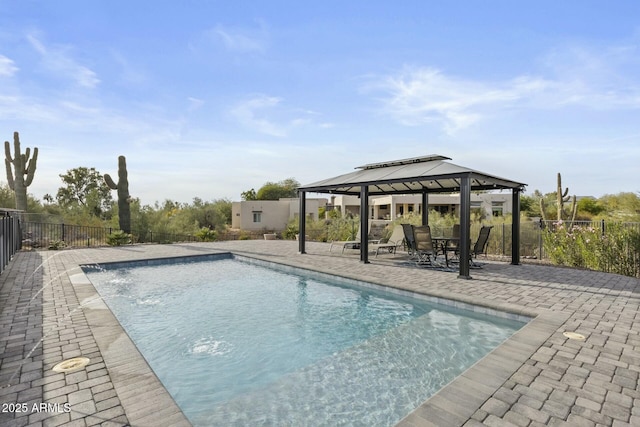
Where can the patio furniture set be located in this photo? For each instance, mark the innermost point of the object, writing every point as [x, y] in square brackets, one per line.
[421, 246]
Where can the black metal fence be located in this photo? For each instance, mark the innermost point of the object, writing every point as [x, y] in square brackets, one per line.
[53, 235]
[15, 235]
[48, 235]
[531, 241]
[10, 240]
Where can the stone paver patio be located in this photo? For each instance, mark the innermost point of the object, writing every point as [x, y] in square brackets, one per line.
[50, 312]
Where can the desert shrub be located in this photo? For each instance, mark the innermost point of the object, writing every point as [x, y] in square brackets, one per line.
[118, 238]
[291, 229]
[343, 228]
[317, 230]
[56, 245]
[617, 250]
[206, 235]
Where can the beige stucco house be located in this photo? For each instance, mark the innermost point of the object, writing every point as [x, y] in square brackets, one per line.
[394, 206]
[256, 215]
[272, 215]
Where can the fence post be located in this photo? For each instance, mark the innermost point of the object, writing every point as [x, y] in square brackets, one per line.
[602, 226]
[541, 230]
[62, 234]
[503, 241]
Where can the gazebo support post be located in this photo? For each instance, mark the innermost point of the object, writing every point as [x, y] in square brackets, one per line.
[465, 226]
[302, 220]
[364, 224]
[515, 227]
[425, 208]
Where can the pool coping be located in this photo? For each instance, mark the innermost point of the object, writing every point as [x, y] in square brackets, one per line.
[141, 392]
[143, 396]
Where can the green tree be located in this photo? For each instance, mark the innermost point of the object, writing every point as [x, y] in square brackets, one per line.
[589, 207]
[249, 195]
[530, 205]
[7, 198]
[85, 188]
[211, 215]
[278, 190]
[622, 206]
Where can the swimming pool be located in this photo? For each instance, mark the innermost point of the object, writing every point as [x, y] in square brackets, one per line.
[238, 343]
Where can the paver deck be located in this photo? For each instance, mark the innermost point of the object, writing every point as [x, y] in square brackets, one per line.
[50, 312]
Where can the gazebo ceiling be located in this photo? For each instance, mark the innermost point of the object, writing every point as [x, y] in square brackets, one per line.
[430, 174]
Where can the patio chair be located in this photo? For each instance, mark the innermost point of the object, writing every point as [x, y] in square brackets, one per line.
[409, 239]
[351, 244]
[480, 247]
[453, 245]
[391, 244]
[425, 251]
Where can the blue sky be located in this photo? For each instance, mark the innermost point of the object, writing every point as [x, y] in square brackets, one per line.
[210, 98]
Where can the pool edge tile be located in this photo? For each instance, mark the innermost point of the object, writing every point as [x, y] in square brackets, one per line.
[489, 373]
[127, 367]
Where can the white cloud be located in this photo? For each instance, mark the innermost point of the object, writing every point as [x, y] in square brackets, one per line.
[7, 67]
[58, 60]
[268, 115]
[426, 95]
[195, 103]
[238, 42]
[130, 74]
[238, 39]
[603, 78]
[570, 76]
[249, 114]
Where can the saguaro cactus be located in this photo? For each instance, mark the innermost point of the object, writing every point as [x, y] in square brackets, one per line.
[24, 168]
[561, 199]
[124, 210]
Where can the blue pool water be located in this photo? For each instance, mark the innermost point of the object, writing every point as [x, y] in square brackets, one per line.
[241, 344]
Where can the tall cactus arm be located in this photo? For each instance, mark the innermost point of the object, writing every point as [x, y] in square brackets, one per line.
[7, 152]
[542, 209]
[574, 210]
[110, 183]
[31, 167]
[9, 174]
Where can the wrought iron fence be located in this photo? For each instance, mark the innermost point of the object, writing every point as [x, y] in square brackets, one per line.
[55, 235]
[531, 239]
[43, 235]
[10, 241]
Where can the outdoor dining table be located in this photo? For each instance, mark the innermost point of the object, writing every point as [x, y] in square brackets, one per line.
[441, 244]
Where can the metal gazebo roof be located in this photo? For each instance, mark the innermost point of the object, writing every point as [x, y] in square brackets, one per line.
[424, 175]
[430, 174]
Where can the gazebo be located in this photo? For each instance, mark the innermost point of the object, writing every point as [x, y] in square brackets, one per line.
[417, 175]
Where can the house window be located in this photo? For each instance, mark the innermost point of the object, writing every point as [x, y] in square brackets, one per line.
[497, 208]
[442, 209]
[257, 216]
[476, 208]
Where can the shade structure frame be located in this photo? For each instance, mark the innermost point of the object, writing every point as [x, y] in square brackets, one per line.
[418, 175]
